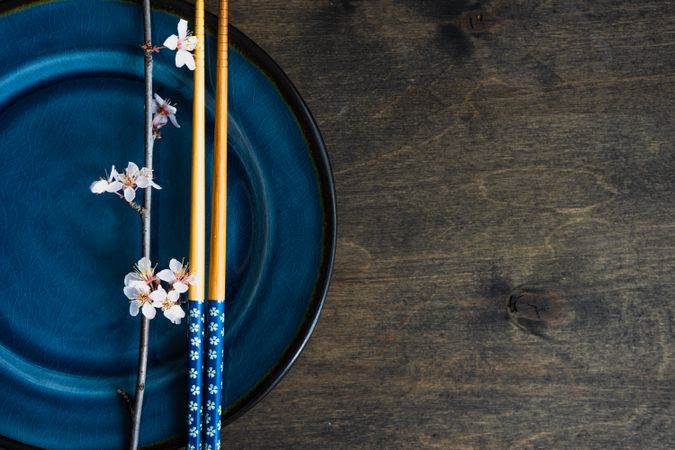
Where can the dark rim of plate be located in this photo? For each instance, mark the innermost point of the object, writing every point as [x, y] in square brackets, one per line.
[319, 157]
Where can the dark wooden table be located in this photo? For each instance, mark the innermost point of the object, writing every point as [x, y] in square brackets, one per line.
[505, 273]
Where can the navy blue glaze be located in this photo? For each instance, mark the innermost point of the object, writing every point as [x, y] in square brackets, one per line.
[71, 97]
[195, 389]
[213, 379]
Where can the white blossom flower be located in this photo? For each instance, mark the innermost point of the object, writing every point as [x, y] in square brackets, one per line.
[194, 312]
[213, 389]
[193, 432]
[140, 300]
[207, 420]
[130, 180]
[211, 372]
[168, 302]
[193, 405]
[190, 419]
[210, 405]
[210, 431]
[194, 327]
[207, 446]
[145, 179]
[214, 340]
[178, 275]
[194, 355]
[212, 354]
[222, 317]
[214, 311]
[194, 390]
[174, 313]
[163, 112]
[193, 373]
[196, 341]
[190, 446]
[183, 44]
[143, 274]
[213, 326]
[110, 185]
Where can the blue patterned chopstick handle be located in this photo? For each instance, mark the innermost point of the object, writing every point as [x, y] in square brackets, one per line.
[195, 373]
[213, 379]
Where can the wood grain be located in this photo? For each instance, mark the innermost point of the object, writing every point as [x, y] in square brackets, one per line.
[506, 200]
[218, 229]
[198, 170]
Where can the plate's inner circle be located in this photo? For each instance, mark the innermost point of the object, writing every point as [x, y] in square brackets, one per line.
[80, 114]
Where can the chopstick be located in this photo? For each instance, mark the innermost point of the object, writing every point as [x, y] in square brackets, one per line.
[217, 264]
[197, 241]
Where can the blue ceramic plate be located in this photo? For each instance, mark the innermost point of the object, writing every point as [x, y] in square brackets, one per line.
[71, 105]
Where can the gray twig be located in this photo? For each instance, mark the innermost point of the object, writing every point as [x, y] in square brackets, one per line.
[135, 206]
[137, 408]
[126, 398]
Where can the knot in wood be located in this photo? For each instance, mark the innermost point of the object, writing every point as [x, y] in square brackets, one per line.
[535, 309]
[476, 21]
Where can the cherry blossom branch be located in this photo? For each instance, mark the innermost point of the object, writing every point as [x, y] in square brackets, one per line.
[124, 395]
[137, 408]
[135, 206]
[138, 208]
[143, 288]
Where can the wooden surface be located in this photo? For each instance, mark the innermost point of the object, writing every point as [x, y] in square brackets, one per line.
[505, 273]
